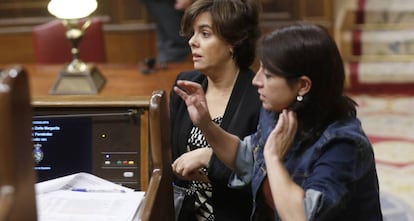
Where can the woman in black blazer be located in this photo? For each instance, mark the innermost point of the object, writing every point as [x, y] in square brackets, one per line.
[223, 37]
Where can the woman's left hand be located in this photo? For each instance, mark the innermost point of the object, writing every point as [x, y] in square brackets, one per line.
[281, 137]
[188, 166]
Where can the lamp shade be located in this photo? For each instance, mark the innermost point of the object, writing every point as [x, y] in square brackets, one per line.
[71, 9]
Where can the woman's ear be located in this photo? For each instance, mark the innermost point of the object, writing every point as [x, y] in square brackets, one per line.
[305, 84]
[231, 49]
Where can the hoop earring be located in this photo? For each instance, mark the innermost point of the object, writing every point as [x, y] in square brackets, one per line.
[299, 98]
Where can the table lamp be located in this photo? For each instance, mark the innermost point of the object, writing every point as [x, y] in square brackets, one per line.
[77, 77]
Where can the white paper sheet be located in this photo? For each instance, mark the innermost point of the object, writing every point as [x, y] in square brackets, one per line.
[57, 199]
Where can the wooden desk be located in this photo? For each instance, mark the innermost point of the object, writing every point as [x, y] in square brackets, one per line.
[121, 79]
[125, 85]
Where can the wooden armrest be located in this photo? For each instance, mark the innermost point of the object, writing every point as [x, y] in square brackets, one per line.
[158, 203]
[17, 177]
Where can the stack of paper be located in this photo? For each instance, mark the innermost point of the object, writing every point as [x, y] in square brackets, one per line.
[85, 197]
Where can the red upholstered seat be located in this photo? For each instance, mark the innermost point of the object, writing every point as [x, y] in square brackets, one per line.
[52, 46]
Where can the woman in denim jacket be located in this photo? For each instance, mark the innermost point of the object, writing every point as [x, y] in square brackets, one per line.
[309, 159]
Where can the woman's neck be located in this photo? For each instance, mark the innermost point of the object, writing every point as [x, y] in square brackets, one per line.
[222, 79]
[219, 89]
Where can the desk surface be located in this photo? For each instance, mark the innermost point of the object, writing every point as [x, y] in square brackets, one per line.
[121, 79]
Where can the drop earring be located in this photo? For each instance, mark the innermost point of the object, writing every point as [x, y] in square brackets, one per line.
[299, 98]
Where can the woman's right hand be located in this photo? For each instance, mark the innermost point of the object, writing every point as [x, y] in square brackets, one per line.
[193, 95]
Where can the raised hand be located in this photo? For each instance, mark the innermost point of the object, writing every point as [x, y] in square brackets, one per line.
[281, 138]
[193, 95]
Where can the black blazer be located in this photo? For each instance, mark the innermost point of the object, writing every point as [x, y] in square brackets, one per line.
[240, 118]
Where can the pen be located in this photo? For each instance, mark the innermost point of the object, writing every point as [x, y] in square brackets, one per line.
[98, 191]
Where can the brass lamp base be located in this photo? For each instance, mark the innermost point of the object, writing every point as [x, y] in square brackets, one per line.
[87, 80]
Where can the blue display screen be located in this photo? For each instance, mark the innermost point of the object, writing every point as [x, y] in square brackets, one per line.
[61, 146]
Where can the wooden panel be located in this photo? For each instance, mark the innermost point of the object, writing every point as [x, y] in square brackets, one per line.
[130, 46]
[26, 8]
[323, 12]
[319, 11]
[278, 10]
[16, 48]
[123, 11]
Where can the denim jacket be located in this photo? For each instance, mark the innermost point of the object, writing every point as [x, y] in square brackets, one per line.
[337, 172]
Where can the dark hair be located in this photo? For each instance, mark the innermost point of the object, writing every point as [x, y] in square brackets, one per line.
[307, 49]
[235, 21]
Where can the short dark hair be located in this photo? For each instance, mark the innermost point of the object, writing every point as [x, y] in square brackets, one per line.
[305, 49]
[235, 21]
